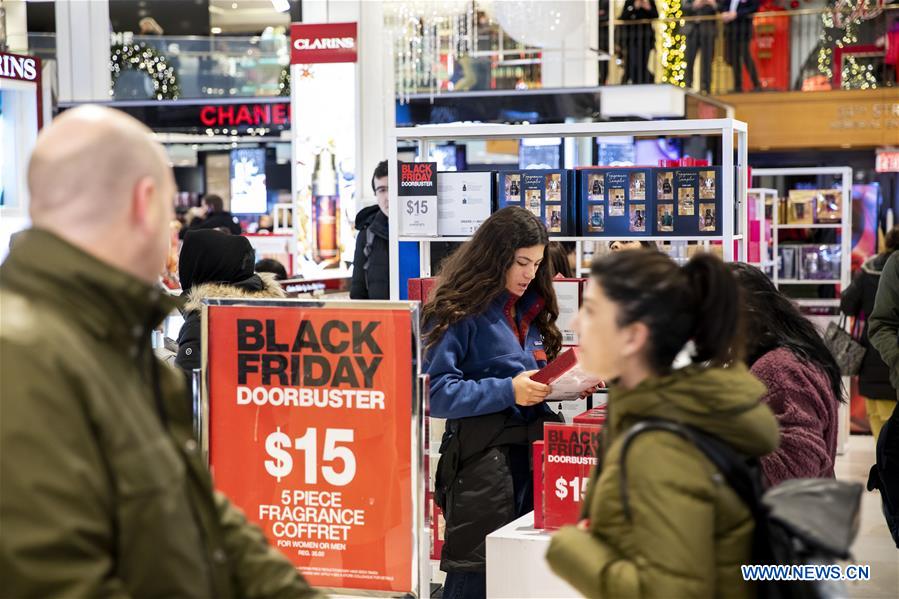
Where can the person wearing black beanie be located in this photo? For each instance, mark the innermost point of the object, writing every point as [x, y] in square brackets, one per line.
[215, 265]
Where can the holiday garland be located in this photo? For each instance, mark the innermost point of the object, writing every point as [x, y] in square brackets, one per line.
[144, 58]
[284, 81]
[674, 43]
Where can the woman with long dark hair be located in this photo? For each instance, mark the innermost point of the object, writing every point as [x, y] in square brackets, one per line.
[660, 521]
[786, 352]
[490, 324]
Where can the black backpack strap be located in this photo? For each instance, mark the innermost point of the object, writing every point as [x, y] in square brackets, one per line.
[732, 466]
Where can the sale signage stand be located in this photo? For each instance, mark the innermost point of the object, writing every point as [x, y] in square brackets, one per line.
[418, 199]
[569, 455]
[315, 430]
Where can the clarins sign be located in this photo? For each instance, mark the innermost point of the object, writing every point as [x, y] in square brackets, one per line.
[321, 43]
[21, 68]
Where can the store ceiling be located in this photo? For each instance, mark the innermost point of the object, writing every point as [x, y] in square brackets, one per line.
[245, 16]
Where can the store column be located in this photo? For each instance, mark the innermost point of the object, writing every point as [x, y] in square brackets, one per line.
[571, 59]
[82, 50]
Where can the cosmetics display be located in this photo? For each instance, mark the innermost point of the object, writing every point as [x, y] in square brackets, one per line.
[615, 202]
[688, 201]
[545, 193]
[819, 262]
[814, 206]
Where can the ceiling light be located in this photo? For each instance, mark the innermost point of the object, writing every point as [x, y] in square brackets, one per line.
[215, 30]
[281, 5]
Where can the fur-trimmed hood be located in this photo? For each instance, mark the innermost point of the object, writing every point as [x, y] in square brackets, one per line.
[271, 289]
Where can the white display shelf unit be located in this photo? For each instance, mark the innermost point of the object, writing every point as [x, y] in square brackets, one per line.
[733, 135]
[844, 226]
[767, 261]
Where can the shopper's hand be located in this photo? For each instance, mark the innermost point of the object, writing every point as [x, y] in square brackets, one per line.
[528, 392]
[728, 16]
[592, 390]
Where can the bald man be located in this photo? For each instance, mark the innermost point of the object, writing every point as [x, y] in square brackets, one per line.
[102, 490]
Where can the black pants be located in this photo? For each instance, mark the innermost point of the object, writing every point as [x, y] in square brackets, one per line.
[739, 54]
[637, 46]
[701, 40]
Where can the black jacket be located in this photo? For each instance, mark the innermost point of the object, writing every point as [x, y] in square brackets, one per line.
[371, 272]
[214, 221]
[260, 285]
[474, 483]
[858, 299]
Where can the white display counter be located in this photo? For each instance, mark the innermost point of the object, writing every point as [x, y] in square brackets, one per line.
[516, 563]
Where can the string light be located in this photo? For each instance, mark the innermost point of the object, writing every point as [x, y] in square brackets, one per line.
[842, 34]
[674, 43]
[144, 58]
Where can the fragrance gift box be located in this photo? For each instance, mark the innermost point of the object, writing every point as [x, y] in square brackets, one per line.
[688, 201]
[615, 202]
[547, 194]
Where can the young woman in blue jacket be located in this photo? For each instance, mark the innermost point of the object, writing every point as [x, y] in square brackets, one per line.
[490, 324]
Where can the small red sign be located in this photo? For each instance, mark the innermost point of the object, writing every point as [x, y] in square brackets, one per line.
[887, 162]
[569, 454]
[322, 43]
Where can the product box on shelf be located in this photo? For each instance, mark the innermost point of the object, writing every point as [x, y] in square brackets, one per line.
[569, 294]
[569, 455]
[801, 207]
[820, 262]
[537, 461]
[547, 194]
[688, 201]
[464, 201]
[420, 289]
[829, 206]
[614, 202]
[595, 416]
[786, 262]
[567, 378]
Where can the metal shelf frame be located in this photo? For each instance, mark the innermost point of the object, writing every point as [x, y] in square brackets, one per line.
[845, 226]
[734, 139]
[761, 194]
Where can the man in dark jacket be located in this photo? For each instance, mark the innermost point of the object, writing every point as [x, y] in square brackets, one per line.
[858, 300]
[371, 265]
[738, 14]
[216, 217]
[105, 492]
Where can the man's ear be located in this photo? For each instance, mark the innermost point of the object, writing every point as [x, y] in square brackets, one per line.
[143, 204]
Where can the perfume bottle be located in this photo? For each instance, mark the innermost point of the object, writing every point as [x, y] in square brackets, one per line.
[513, 188]
[666, 186]
[596, 190]
[464, 193]
[325, 210]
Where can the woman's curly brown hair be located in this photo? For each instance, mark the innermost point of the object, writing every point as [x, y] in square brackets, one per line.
[475, 275]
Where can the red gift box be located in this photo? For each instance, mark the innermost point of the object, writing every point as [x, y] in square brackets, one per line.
[420, 289]
[595, 416]
[537, 449]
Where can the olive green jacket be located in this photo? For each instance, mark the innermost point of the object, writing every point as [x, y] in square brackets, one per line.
[689, 532]
[102, 490]
[883, 322]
